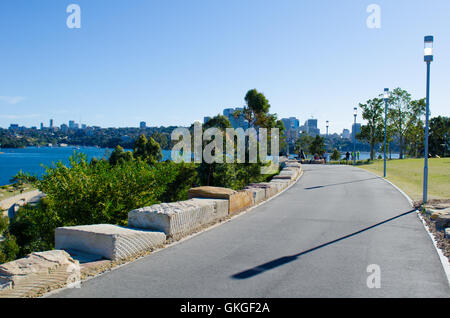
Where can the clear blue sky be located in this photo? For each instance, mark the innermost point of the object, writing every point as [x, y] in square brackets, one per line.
[174, 61]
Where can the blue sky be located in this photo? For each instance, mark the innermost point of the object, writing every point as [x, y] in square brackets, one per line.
[175, 61]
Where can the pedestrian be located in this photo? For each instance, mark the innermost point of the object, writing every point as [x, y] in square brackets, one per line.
[347, 156]
[357, 155]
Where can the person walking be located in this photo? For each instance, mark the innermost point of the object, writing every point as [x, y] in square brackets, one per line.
[347, 156]
[357, 155]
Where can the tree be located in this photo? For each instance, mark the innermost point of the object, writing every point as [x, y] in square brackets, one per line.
[147, 150]
[303, 143]
[317, 146]
[256, 111]
[118, 156]
[439, 138]
[219, 121]
[336, 155]
[403, 112]
[372, 132]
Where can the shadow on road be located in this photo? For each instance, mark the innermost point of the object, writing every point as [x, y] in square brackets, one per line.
[335, 184]
[287, 259]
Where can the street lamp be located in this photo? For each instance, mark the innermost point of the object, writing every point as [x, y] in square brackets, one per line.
[327, 127]
[428, 58]
[355, 112]
[386, 99]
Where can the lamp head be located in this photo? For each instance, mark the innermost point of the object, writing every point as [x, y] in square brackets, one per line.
[428, 48]
[387, 94]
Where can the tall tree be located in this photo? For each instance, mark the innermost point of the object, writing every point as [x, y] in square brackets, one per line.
[147, 150]
[317, 145]
[439, 138]
[256, 111]
[403, 114]
[372, 132]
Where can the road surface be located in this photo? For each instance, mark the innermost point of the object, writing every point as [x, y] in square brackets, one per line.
[316, 239]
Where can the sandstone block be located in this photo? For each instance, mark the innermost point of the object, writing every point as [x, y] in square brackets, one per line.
[35, 263]
[110, 241]
[240, 201]
[210, 192]
[258, 194]
[181, 218]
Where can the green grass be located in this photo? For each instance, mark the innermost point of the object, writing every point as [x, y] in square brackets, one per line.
[8, 191]
[407, 174]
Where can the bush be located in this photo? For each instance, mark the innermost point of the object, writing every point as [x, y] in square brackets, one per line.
[3, 223]
[9, 250]
[185, 177]
[100, 193]
[34, 228]
[336, 155]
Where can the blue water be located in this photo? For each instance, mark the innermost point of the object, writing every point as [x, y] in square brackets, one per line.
[31, 159]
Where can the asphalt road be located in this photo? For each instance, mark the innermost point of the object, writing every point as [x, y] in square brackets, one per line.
[316, 239]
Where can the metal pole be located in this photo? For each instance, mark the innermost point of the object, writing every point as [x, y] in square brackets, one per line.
[385, 133]
[354, 141]
[425, 168]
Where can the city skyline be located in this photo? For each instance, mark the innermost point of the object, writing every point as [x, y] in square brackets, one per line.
[176, 68]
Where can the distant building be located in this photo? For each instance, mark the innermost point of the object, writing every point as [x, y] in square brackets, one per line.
[83, 126]
[42, 126]
[51, 123]
[310, 127]
[206, 119]
[290, 122]
[236, 122]
[64, 128]
[345, 134]
[356, 129]
[13, 127]
[292, 129]
[142, 125]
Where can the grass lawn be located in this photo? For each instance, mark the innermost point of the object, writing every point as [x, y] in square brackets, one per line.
[8, 191]
[407, 174]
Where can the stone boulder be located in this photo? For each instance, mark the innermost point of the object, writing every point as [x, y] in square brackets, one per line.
[178, 219]
[238, 200]
[35, 263]
[258, 194]
[109, 241]
[210, 192]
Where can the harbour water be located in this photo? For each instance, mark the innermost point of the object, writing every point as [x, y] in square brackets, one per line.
[33, 159]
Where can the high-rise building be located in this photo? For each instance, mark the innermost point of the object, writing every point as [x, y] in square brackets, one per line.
[71, 124]
[310, 127]
[236, 122]
[42, 126]
[142, 125]
[291, 122]
[51, 123]
[345, 134]
[356, 129]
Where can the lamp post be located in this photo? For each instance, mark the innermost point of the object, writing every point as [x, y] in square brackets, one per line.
[386, 99]
[327, 127]
[428, 58]
[355, 112]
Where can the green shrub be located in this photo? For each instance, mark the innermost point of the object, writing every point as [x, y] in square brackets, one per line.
[9, 250]
[336, 155]
[34, 228]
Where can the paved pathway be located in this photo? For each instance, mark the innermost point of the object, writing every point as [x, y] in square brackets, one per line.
[314, 240]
